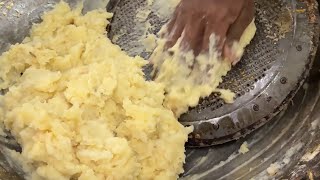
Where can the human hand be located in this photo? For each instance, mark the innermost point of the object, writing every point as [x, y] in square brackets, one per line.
[196, 20]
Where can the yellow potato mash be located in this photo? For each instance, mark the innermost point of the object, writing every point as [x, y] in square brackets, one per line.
[187, 78]
[80, 107]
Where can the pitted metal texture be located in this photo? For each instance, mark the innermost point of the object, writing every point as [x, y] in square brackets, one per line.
[127, 30]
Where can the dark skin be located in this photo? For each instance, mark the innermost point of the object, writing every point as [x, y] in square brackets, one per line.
[196, 20]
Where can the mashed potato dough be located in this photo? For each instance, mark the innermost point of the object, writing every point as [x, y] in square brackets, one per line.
[184, 85]
[80, 107]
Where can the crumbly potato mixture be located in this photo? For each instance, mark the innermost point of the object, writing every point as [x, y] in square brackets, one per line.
[80, 107]
[184, 85]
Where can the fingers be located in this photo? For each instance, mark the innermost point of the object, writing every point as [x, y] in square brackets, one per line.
[196, 31]
[223, 20]
[175, 33]
[193, 35]
[244, 19]
[237, 29]
[219, 30]
[175, 28]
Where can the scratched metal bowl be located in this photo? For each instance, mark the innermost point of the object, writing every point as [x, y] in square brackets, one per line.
[290, 142]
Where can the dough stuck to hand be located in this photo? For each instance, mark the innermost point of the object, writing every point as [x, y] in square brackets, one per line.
[184, 85]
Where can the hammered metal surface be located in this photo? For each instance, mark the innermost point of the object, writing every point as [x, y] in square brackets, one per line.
[290, 142]
[270, 72]
[128, 30]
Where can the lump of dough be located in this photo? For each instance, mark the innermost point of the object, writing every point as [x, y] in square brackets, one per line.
[80, 107]
[244, 148]
[184, 86]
